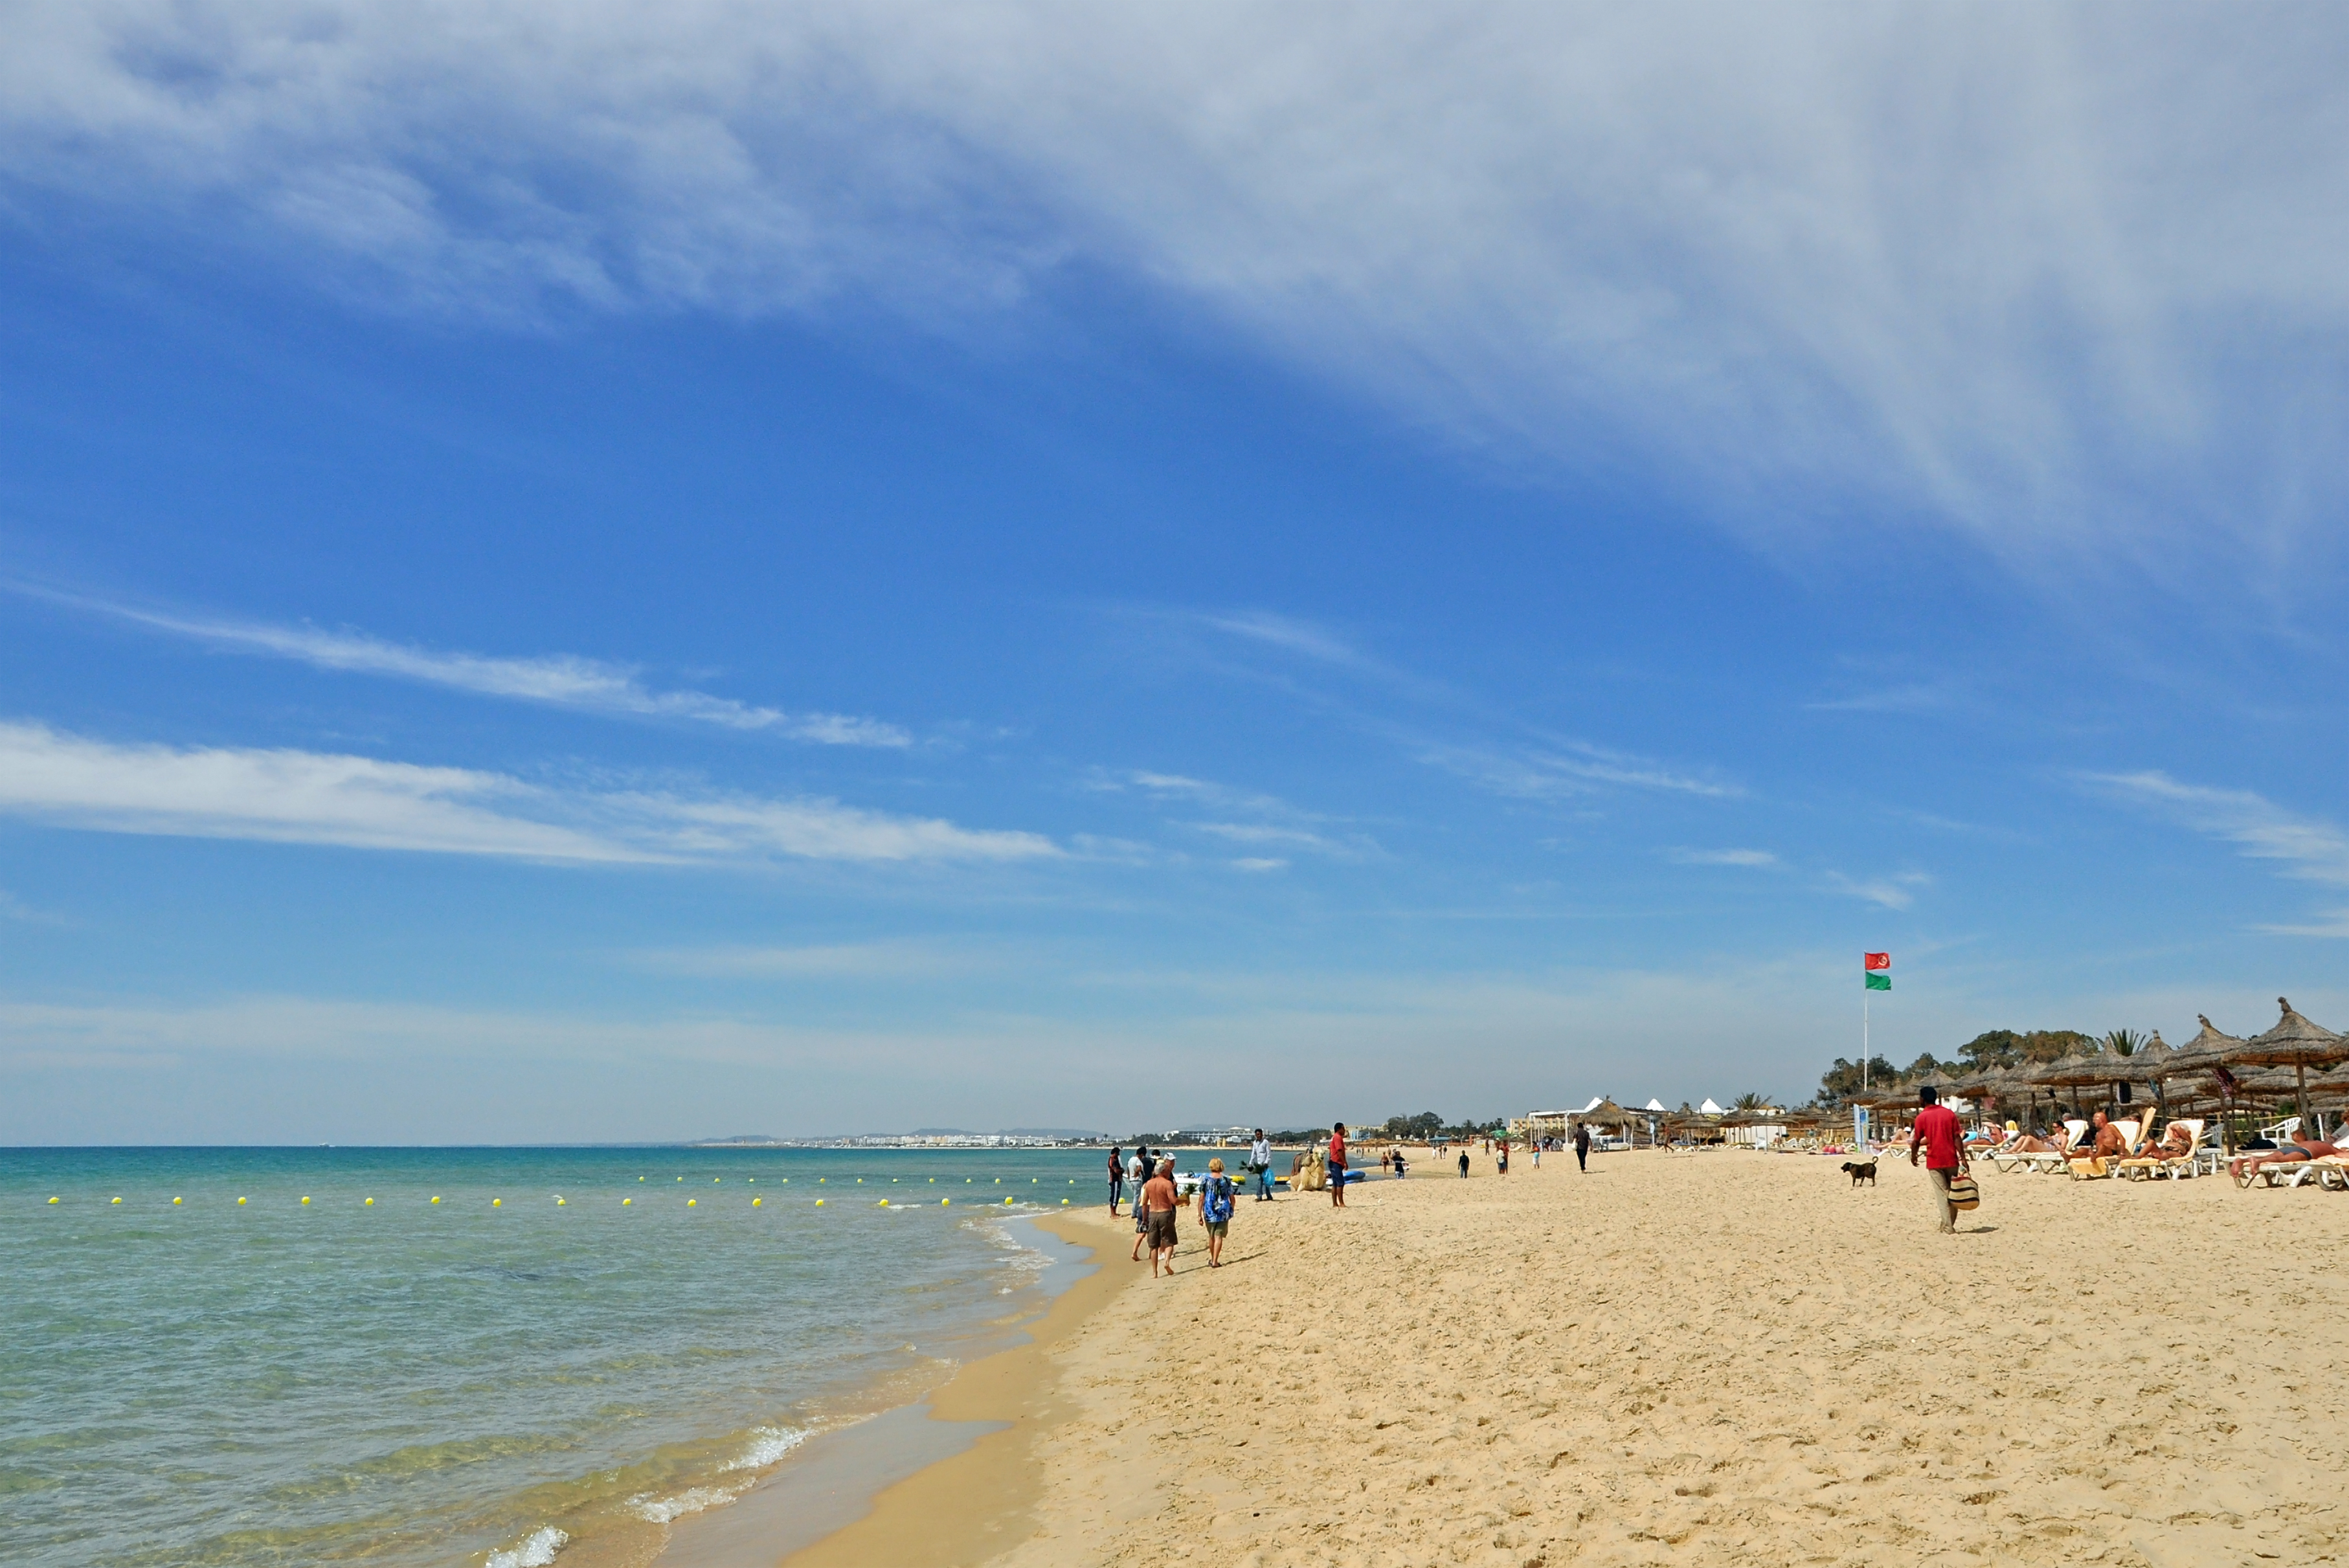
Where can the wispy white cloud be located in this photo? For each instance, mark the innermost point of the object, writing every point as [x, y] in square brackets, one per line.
[2307, 848]
[1565, 769]
[1898, 891]
[892, 961]
[1260, 863]
[1757, 858]
[1909, 696]
[286, 796]
[1998, 264]
[553, 680]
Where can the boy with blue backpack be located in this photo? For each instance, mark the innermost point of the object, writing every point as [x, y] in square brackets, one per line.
[1217, 1195]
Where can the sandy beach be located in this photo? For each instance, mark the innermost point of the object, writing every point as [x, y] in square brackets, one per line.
[1719, 1358]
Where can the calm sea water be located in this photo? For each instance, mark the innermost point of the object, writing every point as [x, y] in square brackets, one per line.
[495, 1378]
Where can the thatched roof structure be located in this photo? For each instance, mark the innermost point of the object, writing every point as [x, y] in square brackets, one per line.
[2297, 1044]
[2213, 1048]
[1607, 1113]
[2151, 1062]
[2077, 1066]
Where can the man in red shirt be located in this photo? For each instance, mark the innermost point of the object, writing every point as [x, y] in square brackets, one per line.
[1337, 1161]
[1937, 1134]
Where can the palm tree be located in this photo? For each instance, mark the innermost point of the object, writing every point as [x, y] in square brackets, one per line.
[2123, 1042]
[1750, 1102]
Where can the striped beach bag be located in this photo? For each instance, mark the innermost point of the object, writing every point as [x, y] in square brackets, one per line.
[1963, 1193]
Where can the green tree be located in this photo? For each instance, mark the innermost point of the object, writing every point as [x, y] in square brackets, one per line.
[2124, 1042]
[1843, 1079]
[1750, 1101]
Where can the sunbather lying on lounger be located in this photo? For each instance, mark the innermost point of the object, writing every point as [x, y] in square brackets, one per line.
[2177, 1142]
[2303, 1148]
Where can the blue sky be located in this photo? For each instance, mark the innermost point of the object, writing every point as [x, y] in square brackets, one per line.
[567, 574]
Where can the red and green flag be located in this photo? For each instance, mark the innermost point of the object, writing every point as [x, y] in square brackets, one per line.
[1876, 969]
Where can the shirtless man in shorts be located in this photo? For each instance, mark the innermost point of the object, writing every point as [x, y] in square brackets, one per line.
[1158, 1205]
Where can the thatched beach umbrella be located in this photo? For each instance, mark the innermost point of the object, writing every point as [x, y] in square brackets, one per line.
[2297, 1044]
[2151, 1063]
[2213, 1048]
[2079, 1067]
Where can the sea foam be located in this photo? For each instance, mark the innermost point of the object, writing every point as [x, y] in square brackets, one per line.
[535, 1550]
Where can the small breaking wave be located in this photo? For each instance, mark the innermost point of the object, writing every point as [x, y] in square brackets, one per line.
[535, 1550]
[767, 1444]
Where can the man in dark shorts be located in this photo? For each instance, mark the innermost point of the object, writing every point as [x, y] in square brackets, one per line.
[1337, 1157]
[1156, 1205]
[1116, 1178]
[1464, 1160]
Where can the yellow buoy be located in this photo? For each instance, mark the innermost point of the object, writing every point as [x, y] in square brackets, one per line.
[689, 1203]
[884, 1203]
[559, 1202]
[369, 1204]
[1064, 1203]
[625, 1201]
[942, 1202]
[240, 1203]
[639, 1178]
[175, 1201]
[304, 1199]
[998, 1181]
[717, 1179]
[818, 1202]
[52, 1200]
[495, 1203]
[436, 1198]
[1007, 1200]
[859, 1181]
[756, 1202]
[934, 1181]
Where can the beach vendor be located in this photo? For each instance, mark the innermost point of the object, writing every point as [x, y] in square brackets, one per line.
[1217, 1196]
[1336, 1156]
[1937, 1133]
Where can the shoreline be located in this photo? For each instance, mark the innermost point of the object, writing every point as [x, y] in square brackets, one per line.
[943, 1481]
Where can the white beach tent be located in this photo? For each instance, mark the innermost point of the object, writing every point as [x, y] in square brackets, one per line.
[1655, 1109]
[1709, 1107]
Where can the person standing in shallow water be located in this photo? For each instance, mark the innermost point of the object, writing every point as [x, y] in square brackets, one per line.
[1937, 1133]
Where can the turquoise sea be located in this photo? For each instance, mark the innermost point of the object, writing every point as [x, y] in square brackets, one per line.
[570, 1348]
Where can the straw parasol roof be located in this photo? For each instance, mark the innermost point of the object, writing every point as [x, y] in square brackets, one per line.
[1607, 1113]
[2079, 1065]
[2297, 1044]
[2213, 1048]
[2150, 1063]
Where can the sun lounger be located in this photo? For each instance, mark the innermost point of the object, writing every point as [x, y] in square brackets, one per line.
[2076, 1134]
[2144, 1167]
[2089, 1167]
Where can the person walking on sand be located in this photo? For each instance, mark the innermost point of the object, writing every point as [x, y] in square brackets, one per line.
[1937, 1133]
[1117, 1177]
[1217, 1196]
[1336, 1156]
[1464, 1159]
[1157, 1202]
[1261, 1162]
[1501, 1153]
[1582, 1148]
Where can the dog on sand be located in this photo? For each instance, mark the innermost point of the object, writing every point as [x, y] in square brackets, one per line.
[1860, 1171]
